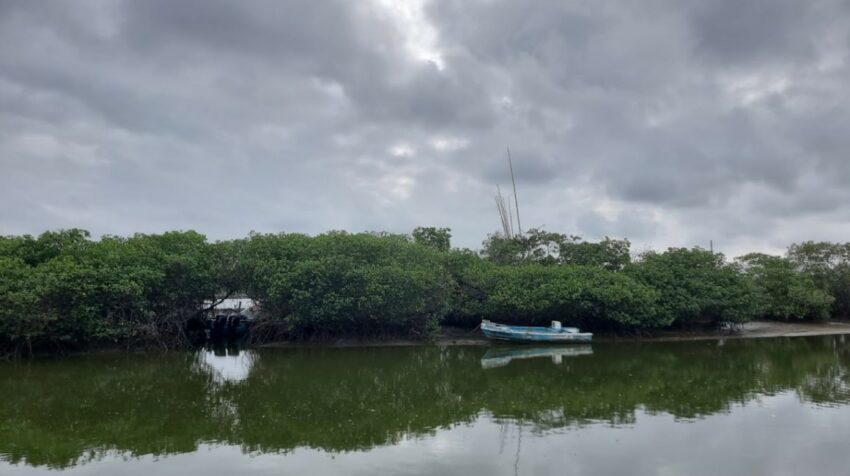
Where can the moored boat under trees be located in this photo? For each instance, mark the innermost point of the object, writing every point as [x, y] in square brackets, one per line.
[554, 333]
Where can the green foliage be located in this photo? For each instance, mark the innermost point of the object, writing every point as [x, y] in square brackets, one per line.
[540, 246]
[504, 250]
[50, 244]
[780, 292]
[610, 254]
[437, 238]
[828, 265]
[535, 246]
[695, 287]
[536, 294]
[16, 299]
[543, 247]
[348, 284]
[64, 290]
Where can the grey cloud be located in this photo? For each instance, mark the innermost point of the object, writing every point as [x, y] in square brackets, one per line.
[636, 224]
[666, 122]
[731, 32]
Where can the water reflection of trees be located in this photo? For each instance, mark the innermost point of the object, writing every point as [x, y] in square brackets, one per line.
[59, 413]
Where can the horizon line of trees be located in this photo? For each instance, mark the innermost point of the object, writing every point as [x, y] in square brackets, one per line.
[63, 290]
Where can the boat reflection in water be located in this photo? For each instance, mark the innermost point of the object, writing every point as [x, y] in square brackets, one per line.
[226, 364]
[499, 357]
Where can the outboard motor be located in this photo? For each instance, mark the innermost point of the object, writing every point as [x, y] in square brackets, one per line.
[219, 327]
[230, 327]
[232, 322]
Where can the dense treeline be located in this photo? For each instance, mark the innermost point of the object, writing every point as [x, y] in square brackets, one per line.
[64, 290]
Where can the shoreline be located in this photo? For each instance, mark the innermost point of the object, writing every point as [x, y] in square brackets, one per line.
[454, 337]
[749, 330]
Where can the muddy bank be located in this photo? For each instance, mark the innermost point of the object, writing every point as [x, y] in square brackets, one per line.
[750, 330]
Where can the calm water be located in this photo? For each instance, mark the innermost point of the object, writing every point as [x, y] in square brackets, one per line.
[743, 407]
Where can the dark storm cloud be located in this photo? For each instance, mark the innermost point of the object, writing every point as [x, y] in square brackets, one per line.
[732, 32]
[670, 123]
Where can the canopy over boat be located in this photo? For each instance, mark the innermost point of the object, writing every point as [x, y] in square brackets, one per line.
[554, 333]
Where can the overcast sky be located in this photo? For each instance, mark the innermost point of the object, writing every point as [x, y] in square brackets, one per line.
[670, 123]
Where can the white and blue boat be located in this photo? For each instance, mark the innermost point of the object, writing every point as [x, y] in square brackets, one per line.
[553, 333]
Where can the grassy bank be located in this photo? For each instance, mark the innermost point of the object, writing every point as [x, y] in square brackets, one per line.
[62, 290]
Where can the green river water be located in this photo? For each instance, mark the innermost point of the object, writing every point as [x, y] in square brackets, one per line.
[735, 407]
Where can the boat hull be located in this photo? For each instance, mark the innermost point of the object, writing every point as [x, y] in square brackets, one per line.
[534, 334]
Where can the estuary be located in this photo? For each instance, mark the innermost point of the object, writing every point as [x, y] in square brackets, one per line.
[746, 406]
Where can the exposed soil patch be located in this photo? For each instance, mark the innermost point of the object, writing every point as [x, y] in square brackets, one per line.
[758, 329]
